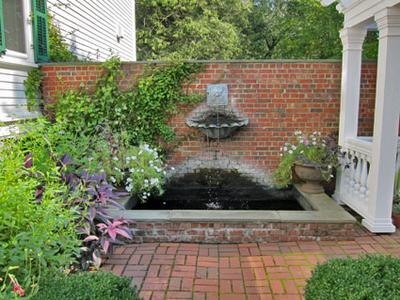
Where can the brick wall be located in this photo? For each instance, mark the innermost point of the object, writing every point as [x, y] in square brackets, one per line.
[278, 98]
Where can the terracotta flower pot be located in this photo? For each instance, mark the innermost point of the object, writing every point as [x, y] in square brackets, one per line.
[311, 176]
[396, 219]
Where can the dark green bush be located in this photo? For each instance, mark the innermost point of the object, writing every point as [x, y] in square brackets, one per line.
[85, 286]
[368, 278]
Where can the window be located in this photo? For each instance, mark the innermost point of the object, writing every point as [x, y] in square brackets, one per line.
[14, 27]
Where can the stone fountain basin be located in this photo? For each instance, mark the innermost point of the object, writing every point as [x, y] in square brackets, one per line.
[217, 125]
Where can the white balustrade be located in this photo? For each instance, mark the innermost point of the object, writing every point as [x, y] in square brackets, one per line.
[353, 181]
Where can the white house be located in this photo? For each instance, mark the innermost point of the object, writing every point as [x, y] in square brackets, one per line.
[93, 30]
[368, 170]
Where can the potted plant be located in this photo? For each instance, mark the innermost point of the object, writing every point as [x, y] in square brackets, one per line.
[312, 158]
[396, 214]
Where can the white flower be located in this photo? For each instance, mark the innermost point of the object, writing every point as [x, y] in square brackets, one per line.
[133, 157]
[115, 158]
[290, 151]
[154, 181]
[294, 147]
[331, 176]
[329, 167]
[314, 143]
[128, 188]
[281, 154]
[132, 170]
[164, 172]
[301, 141]
[172, 168]
[285, 148]
[144, 197]
[129, 179]
[146, 181]
[113, 180]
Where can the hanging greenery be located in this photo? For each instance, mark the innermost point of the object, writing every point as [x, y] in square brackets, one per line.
[142, 111]
[58, 49]
[32, 89]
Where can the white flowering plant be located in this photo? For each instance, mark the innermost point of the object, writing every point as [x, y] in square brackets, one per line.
[307, 149]
[139, 169]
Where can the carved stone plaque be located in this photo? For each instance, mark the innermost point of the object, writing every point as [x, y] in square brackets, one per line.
[217, 94]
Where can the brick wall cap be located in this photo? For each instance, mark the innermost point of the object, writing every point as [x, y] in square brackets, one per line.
[209, 62]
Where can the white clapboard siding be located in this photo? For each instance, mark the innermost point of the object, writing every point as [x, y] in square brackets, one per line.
[13, 103]
[90, 28]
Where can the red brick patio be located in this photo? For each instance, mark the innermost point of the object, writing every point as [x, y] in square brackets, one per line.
[241, 271]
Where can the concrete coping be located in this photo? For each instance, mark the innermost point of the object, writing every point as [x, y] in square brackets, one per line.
[323, 209]
[233, 61]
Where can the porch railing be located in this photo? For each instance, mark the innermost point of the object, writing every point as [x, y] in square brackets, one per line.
[352, 187]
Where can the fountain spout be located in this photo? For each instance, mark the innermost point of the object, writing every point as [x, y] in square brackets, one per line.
[217, 121]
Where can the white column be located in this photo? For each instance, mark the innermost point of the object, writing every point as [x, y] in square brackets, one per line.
[352, 39]
[387, 109]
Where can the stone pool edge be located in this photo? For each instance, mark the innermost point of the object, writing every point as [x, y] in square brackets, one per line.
[328, 221]
[325, 210]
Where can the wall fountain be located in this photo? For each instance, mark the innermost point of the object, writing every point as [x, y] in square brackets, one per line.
[218, 121]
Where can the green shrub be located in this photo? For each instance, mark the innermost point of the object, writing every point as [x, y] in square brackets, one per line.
[37, 231]
[368, 278]
[85, 286]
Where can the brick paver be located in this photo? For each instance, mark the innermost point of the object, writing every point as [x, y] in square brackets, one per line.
[241, 271]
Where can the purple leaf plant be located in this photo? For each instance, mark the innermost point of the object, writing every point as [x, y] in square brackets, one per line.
[90, 195]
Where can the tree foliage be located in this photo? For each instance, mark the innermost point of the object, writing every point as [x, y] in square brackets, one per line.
[253, 29]
[190, 29]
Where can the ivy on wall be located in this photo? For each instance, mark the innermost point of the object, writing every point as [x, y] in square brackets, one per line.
[58, 49]
[32, 89]
[142, 111]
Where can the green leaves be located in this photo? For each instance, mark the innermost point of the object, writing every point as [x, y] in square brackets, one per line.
[189, 29]
[370, 277]
[58, 49]
[143, 111]
[237, 29]
[33, 235]
[310, 149]
[88, 285]
[32, 88]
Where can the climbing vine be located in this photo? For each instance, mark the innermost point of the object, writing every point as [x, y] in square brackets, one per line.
[32, 88]
[142, 111]
[58, 49]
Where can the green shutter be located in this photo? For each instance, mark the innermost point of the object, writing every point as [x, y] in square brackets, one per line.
[40, 33]
[2, 34]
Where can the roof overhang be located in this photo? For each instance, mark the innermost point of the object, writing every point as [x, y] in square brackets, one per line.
[360, 12]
